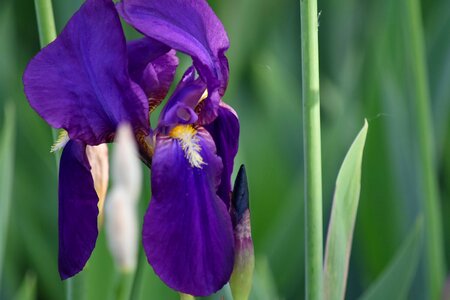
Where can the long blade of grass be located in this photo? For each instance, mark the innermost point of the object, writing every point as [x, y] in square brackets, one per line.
[414, 37]
[395, 281]
[6, 176]
[342, 220]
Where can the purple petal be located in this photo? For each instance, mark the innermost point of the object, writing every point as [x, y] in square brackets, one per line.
[180, 107]
[80, 82]
[152, 65]
[190, 27]
[225, 132]
[187, 232]
[77, 210]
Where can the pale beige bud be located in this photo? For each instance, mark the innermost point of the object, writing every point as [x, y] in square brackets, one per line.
[126, 166]
[121, 218]
[122, 229]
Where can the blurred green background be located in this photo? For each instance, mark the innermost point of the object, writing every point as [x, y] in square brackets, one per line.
[364, 67]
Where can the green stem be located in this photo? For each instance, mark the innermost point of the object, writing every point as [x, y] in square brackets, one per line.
[46, 21]
[124, 285]
[312, 149]
[135, 285]
[186, 297]
[75, 288]
[434, 245]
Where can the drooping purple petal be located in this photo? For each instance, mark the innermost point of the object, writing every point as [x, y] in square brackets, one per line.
[78, 210]
[190, 27]
[80, 82]
[181, 105]
[225, 132]
[152, 65]
[187, 232]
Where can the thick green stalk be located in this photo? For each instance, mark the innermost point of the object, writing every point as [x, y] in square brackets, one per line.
[312, 149]
[434, 245]
[46, 21]
[186, 297]
[124, 285]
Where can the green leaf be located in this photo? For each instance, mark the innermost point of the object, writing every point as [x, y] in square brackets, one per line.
[342, 220]
[395, 281]
[6, 176]
[27, 290]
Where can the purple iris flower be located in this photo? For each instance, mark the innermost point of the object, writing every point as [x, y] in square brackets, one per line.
[89, 80]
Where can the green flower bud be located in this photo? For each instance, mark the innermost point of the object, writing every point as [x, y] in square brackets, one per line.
[244, 263]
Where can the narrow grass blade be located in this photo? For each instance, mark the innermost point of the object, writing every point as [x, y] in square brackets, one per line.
[342, 221]
[6, 176]
[27, 290]
[395, 281]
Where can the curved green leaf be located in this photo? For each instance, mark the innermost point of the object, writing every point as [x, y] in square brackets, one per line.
[6, 176]
[342, 220]
[395, 281]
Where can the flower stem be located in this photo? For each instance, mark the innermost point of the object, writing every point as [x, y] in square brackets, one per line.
[312, 149]
[46, 21]
[186, 297]
[75, 289]
[135, 284]
[124, 285]
[419, 81]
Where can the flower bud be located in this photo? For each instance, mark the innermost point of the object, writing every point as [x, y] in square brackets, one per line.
[121, 203]
[122, 229]
[244, 263]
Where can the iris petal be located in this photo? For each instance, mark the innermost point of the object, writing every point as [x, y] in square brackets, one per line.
[80, 81]
[152, 65]
[187, 232]
[78, 210]
[225, 132]
[192, 28]
[180, 107]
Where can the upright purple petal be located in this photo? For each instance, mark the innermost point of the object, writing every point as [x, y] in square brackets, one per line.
[225, 132]
[180, 109]
[77, 210]
[80, 82]
[187, 232]
[152, 65]
[189, 26]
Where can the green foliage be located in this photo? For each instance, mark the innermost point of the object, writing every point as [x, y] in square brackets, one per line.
[396, 280]
[7, 135]
[342, 220]
[363, 75]
[27, 290]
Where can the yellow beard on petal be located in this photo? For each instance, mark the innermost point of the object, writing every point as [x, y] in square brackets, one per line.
[189, 142]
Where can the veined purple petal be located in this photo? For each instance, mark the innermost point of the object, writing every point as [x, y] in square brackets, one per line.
[152, 65]
[187, 232]
[78, 210]
[225, 132]
[80, 82]
[189, 26]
